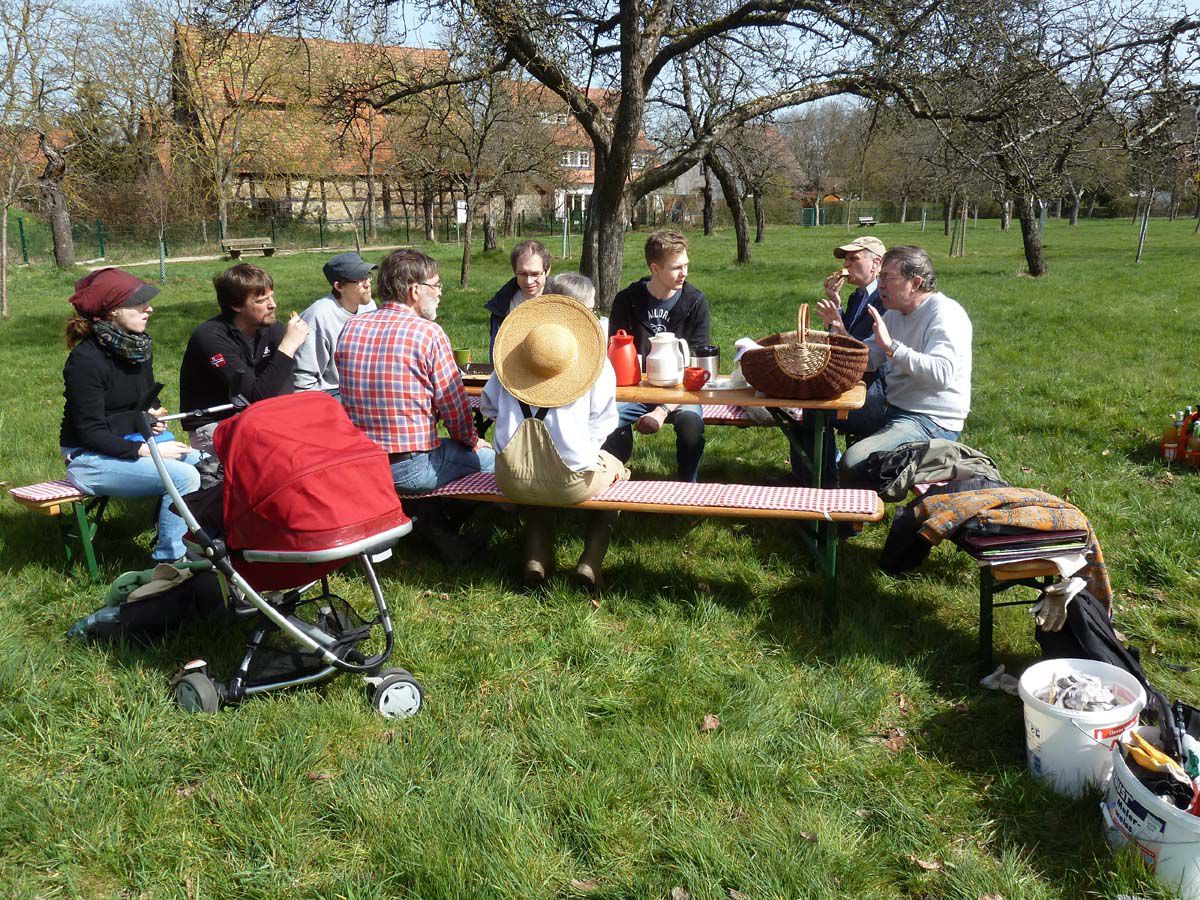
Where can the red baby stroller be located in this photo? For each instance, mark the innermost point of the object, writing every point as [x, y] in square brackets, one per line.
[304, 491]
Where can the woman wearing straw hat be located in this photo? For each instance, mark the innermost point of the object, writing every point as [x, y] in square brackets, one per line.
[553, 398]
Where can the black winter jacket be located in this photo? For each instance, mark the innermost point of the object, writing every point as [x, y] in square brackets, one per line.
[103, 397]
[688, 319]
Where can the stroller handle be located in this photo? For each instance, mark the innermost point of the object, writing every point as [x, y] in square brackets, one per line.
[237, 402]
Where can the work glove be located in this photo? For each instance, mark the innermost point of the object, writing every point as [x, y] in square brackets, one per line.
[1050, 611]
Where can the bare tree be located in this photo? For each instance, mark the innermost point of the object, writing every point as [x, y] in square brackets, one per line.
[26, 26]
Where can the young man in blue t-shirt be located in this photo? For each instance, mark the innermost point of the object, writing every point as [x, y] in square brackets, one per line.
[662, 302]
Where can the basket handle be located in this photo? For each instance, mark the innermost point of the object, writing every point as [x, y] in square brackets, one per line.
[802, 324]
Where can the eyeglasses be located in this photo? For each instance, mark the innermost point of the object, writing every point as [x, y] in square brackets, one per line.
[890, 276]
[531, 275]
[436, 285]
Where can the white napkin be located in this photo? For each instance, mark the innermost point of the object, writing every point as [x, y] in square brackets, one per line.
[741, 345]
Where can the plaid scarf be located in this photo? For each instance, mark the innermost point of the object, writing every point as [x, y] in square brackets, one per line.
[122, 344]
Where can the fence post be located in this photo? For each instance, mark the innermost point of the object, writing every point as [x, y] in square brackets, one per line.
[321, 229]
[520, 222]
[274, 239]
[100, 237]
[406, 236]
[220, 230]
[24, 244]
[922, 218]
[364, 223]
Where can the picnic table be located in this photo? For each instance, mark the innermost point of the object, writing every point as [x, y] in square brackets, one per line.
[822, 412]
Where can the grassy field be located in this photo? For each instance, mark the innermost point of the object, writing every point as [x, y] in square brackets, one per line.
[560, 753]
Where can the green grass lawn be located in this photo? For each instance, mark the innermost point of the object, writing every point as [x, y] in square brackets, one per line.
[560, 752]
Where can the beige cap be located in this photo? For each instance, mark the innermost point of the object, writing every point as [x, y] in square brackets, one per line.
[549, 351]
[874, 244]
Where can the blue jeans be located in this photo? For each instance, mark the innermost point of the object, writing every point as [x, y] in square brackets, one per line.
[96, 474]
[688, 422]
[448, 461]
[858, 424]
[896, 427]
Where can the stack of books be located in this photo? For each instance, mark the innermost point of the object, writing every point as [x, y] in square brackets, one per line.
[995, 549]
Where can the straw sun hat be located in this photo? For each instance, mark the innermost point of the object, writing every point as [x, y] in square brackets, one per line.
[549, 351]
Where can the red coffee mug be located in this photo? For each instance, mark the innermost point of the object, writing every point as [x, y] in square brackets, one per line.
[695, 378]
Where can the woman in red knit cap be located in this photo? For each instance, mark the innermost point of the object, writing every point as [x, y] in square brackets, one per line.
[109, 380]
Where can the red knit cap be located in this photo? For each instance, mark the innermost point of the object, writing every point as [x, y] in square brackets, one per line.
[106, 289]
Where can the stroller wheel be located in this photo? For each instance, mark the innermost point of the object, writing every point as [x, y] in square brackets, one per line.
[196, 692]
[397, 695]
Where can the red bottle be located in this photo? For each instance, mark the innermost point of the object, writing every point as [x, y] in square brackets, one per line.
[623, 355]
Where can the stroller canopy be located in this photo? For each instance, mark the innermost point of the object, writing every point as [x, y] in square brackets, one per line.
[300, 476]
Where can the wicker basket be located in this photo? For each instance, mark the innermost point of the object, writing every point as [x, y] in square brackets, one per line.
[805, 365]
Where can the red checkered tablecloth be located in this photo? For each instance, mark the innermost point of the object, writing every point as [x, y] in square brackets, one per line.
[47, 490]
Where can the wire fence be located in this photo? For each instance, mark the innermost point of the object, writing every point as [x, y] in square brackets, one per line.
[31, 241]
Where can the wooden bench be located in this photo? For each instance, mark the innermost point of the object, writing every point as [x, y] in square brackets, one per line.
[864, 221]
[235, 247]
[993, 579]
[822, 508]
[58, 498]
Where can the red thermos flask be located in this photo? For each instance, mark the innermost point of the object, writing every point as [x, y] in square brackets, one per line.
[623, 355]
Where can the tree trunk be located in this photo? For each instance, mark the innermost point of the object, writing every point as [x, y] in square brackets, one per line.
[948, 208]
[489, 232]
[760, 219]
[55, 199]
[1076, 200]
[464, 280]
[4, 264]
[903, 209]
[1091, 205]
[510, 218]
[370, 205]
[706, 193]
[427, 212]
[1005, 214]
[1058, 208]
[1142, 230]
[387, 202]
[604, 244]
[1031, 235]
[733, 199]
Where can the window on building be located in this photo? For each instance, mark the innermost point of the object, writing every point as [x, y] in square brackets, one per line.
[575, 159]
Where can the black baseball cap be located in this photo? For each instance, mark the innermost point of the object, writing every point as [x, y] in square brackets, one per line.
[347, 267]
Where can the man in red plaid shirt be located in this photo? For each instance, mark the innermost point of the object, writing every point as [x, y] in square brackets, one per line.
[398, 378]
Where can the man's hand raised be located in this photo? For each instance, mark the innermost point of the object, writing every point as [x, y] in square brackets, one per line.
[831, 314]
[293, 338]
[883, 337]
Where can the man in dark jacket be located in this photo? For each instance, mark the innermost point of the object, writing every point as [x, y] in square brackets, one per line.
[663, 302]
[861, 259]
[531, 266]
[244, 350]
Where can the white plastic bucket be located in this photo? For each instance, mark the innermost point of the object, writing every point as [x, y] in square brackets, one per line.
[1068, 749]
[1167, 838]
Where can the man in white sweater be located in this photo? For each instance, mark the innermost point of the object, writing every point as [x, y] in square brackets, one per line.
[926, 339]
[349, 277]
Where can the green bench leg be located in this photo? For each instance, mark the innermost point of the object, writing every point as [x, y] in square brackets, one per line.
[821, 540]
[83, 529]
[987, 587]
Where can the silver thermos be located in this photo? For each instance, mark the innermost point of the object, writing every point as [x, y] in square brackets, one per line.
[708, 358]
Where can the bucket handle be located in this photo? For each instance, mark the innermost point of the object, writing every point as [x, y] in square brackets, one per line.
[1108, 744]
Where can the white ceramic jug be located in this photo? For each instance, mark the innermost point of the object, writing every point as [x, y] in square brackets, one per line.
[667, 359]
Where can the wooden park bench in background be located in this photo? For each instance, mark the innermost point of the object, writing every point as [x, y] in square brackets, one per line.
[235, 247]
[864, 221]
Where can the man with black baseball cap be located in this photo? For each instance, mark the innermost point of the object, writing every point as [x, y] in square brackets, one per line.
[349, 277]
